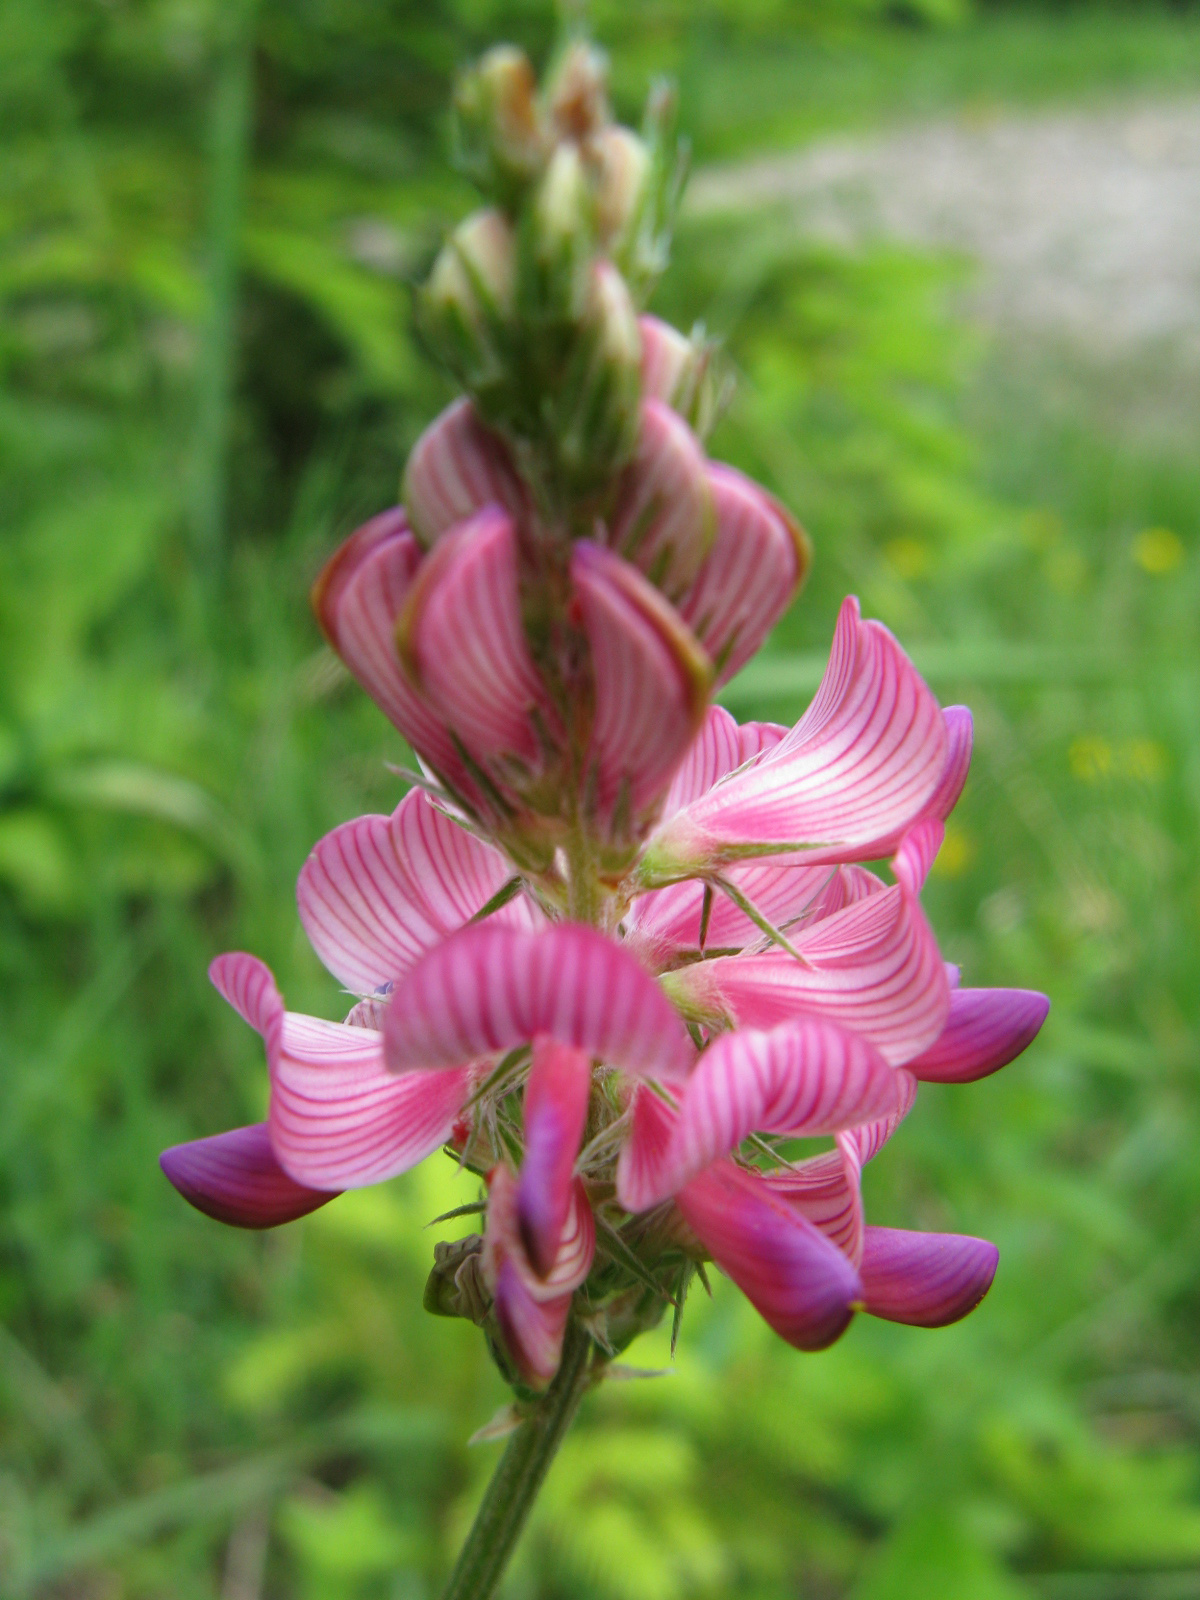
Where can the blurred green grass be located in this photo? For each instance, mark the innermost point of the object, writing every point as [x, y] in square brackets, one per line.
[207, 379]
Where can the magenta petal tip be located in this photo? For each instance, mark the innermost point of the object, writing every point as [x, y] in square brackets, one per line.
[927, 1280]
[234, 1177]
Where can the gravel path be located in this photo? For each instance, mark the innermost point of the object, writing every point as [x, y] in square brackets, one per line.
[1083, 222]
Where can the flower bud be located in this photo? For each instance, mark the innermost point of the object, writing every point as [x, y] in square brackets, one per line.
[577, 93]
[499, 129]
[598, 415]
[622, 175]
[468, 300]
[679, 372]
[557, 239]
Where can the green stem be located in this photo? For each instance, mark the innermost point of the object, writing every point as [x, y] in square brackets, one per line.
[516, 1481]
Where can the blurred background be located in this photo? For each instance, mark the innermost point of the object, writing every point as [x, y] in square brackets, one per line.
[954, 255]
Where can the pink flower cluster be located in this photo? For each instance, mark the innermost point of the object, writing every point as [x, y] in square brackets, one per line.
[620, 949]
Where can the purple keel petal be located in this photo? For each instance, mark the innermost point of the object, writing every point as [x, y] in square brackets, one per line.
[532, 1330]
[805, 1078]
[556, 1103]
[662, 521]
[985, 1030]
[462, 638]
[235, 1178]
[925, 1279]
[490, 988]
[873, 968]
[797, 1281]
[759, 559]
[357, 599]
[457, 467]
[378, 892]
[652, 681]
[857, 769]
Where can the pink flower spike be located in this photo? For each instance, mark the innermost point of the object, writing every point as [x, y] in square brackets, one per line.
[873, 968]
[798, 1282]
[802, 1079]
[489, 988]
[357, 599]
[652, 681]
[985, 1030]
[917, 853]
[759, 559]
[235, 1178]
[662, 520]
[853, 774]
[556, 1103]
[378, 892]
[462, 639]
[457, 467]
[338, 1119]
[925, 1279]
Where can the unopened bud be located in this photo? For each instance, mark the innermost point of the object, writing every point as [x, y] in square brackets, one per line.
[599, 414]
[468, 301]
[557, 239]
[455, 1286]
[501, 136]
[623, 172]
[679, 372]
[577, 93]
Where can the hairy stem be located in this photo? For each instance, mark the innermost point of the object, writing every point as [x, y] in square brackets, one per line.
[519, 1476]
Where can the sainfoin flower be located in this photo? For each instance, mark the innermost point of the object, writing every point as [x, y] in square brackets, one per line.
[614, 953]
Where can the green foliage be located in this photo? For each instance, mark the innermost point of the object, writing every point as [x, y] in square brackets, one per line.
[206, 377]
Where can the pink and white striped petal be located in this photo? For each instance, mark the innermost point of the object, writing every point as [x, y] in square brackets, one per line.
[960, 739]
[759, 558]
[718, 749]
[867, 1141]
[799, 1080]
[873, 968]
[667, 358]
[338, 1119]
[503, 1239]
[651, 680]
[985, 1030]
[555, 1111]
[532, 1329]
[662, 518]
[642, 1166]
[798, 1282]
[917, 853]
[378, 892]
[826, 1190]
[490, 988]
[457, 467]
[855, 772]
[925, 1279]
[235, 1178]
[358, 599]
[462, 640]
[664, 923]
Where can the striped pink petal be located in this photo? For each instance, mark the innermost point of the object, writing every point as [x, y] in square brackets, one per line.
[720, 746]
[873, 968]
[532, 1329]
[462, 638]
[826, 1190]
[662, 520]
[758, 561]
[490, 988]
[857, 769]
[917, 853]
[869, 1139]
[358, 598]
[235, 1178]
[666, 922]
[925, 1279]
[960, 737]
[802, 1079]
[556, 1105]
[667, 357]
[642, 1166]
[504, 1240]
[457, 467]
[338, 1118]
[651, 681]
[379, 891]
[985, 1030]
[798, 1282]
